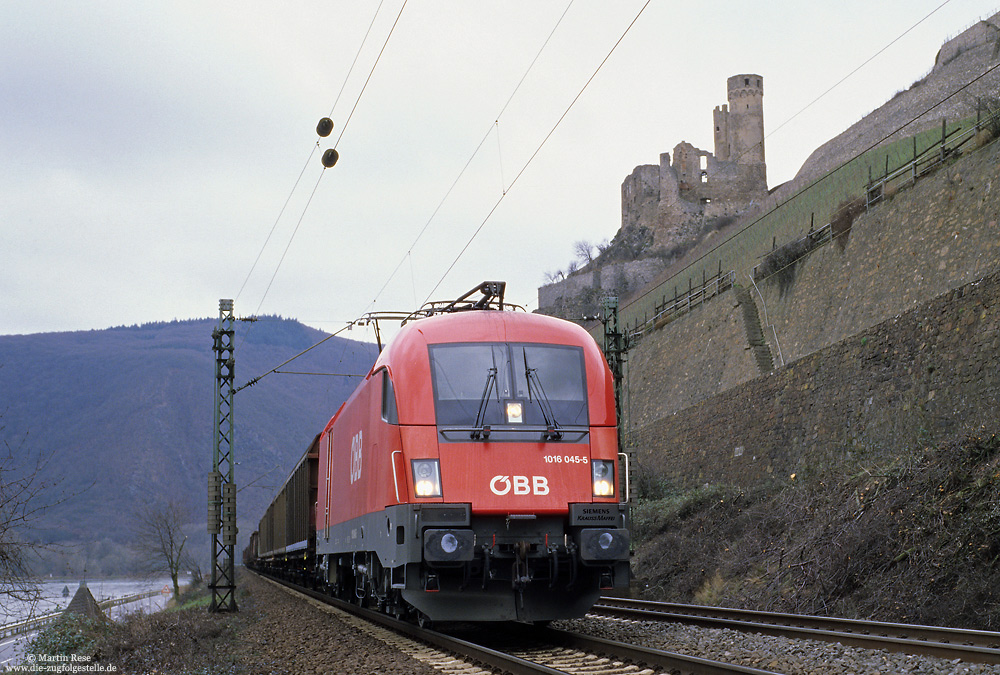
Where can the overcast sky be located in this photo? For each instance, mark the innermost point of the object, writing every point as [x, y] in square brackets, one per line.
[148, 148]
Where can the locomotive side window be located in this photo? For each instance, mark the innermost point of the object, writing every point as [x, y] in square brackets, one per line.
[389, 411]
[500, 384]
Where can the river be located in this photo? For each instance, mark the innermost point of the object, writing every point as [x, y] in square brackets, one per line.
[51, 599]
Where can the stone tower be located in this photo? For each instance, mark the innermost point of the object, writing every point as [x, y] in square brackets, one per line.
[679, 203]
[739, 127]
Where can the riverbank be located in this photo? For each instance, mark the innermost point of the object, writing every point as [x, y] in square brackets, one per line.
[272, 633]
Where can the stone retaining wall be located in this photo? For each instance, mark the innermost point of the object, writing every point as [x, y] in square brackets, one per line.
[932, 372]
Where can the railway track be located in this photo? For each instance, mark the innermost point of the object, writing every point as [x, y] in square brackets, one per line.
[971, 646]
[519, 651]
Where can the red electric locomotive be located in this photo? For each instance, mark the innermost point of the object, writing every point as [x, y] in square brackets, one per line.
[474, 475]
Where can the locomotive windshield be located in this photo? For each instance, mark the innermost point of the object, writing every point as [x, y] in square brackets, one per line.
[500, 384]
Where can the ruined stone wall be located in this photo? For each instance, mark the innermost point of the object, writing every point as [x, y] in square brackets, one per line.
[720, 119]
[736, 184]
[697, 186]
[640, 195]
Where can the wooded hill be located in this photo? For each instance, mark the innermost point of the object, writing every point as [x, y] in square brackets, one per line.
[124, 417]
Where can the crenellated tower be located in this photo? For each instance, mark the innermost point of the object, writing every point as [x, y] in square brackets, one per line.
[698, 185]
[739, 127]
[668, 207]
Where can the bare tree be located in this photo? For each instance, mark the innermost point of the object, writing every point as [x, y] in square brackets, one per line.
[584, 251]
[17, 493]
[24, 495]
[159, 538]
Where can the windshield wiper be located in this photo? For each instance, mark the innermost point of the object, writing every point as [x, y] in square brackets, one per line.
[481, 429]
[551, 425]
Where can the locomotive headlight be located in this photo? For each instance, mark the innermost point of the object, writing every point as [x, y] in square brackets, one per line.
[599, 543]
[449, 543]
[426, 477]
[515, 412]
[603, 472]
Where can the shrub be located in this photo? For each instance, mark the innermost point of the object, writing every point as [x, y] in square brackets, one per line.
[70, 634]
[780, 263]
[843, 219]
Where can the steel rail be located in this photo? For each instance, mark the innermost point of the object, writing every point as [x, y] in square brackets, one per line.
[490, 657]
[979, 638]
[517, 665]
[645, 655]
[946, 643]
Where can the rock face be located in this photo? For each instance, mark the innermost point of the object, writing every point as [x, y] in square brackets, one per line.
[950, 90]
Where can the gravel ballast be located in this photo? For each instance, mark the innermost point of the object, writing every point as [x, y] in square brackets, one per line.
[782, 655]
[277, 633]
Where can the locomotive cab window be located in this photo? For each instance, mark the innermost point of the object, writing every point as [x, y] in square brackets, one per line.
[389, 411]
[508, 385]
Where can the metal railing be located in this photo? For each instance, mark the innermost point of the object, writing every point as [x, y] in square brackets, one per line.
[30, 625]
[670, 309]
[789, 218]
[926, 161]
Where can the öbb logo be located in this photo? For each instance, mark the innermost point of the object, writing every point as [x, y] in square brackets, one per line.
[356, 458]
[521, 485]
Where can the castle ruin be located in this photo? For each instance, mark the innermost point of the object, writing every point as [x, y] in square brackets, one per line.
[675, 199]
[668, 208]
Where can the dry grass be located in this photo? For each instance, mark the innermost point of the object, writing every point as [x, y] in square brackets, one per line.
[912, 540]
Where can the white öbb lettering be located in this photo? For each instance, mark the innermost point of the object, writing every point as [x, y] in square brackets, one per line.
[521, 485]
[356, 457]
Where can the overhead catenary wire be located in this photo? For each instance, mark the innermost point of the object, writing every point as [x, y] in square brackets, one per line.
[356, 57]
[538, 149]
[312, 152]
[343, 128]
[468, 162]
[853, 72]
[357, 101]
[289, 244]
[278, 219]
[503, 186]
[257, 379]
[303, 372]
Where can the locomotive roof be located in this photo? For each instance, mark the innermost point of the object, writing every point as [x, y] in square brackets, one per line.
[486, 326]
